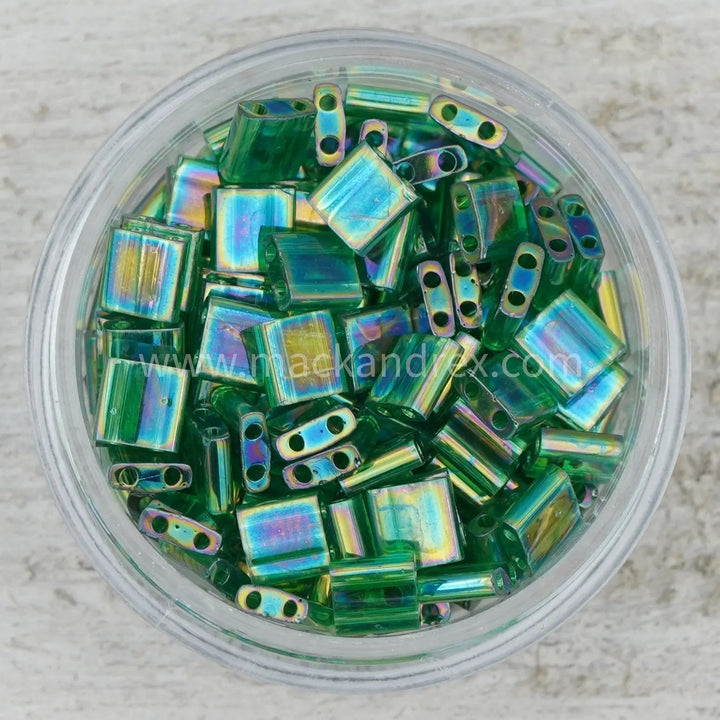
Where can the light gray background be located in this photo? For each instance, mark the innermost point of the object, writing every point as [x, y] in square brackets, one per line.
[646, 73]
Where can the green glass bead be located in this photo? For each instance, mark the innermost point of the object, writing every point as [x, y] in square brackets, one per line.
[548, 228]
[467, 123]
[462, 584]
[248, 288]
[506, 395]
[414, 376]
[216, 136]
[150, 478]
[419, 517]
[139, 340]
[312, 270]
[223, 354]
[517, 295]
[193, 239]
[466, 292]
[160, 521]
[376, 595]
[586, 409]
[589, 250]
[390, 461]
[571, 345]
[545, 514]
[297, 358]
[141, 405]
[608, 301]
[349, 528]
[330, 125]
[272, 603]
[385, 267]
[143, 276]
[361, 198]
[579, 454]
[385, 103]
[322, 467]
[470, 448]
[284, 539]
[239, 215]
[321, 425]
[210, 440]
[488, 218]
[368, 336]
[267, 141]
[437, 298]
[192, 179]
[250, 435]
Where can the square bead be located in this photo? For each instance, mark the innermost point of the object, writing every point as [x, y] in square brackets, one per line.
[368, 335]
[223, 355]
[141, 405]
[588, 407]
[362, 197]
[143, 276]
[297, 358]
[418, 516]
[239, 214]
[284, 539]
[570, 344]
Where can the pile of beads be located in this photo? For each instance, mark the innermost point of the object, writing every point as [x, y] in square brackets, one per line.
[354, 365]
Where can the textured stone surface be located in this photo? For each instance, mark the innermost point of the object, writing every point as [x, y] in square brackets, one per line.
[646, 73]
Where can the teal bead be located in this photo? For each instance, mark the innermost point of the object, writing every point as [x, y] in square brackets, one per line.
[467, 123]
[272, 603]
[239, 216]
[312, 270]
[141, 405]
[419, 517]
[376, 595]
[267, 141]
[546, 513]
[297, 358]
[569, 343]
[437, 299]
[284, 539]
[143, 276]
[362, 197]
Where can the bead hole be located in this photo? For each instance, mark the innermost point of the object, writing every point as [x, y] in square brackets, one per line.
[253, 600]
[335, 424]
[527, 261]
[296, 442]
[172, 476]
[431, 279]
[516, 298]
[253, 431]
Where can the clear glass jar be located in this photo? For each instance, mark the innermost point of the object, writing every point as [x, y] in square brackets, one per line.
[121, 174]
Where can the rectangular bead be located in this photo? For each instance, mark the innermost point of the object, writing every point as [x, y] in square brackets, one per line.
[361, 198]
[570, 344]
[545, 514]
[297, 358]
[192, 180]
[141, 405]
[239, 215]
[419, 517]
[284, 539]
